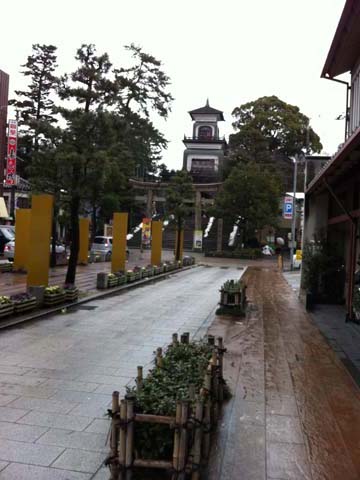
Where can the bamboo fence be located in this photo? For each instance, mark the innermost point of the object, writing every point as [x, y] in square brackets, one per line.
[192, 426]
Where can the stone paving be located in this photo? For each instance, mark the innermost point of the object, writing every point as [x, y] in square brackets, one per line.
[57, 374]
[13, 283]
[343, 337]
[295, 410]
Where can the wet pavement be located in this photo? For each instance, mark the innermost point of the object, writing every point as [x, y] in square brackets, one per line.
[295, 413]
[343, 337]
[13, 283]
[57, 374]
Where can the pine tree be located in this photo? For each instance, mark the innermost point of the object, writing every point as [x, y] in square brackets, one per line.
[35, 104]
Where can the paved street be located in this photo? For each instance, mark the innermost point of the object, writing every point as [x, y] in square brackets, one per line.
[57, 374]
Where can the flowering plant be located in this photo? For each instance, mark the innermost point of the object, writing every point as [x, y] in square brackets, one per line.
[53, 290]
[4, 300]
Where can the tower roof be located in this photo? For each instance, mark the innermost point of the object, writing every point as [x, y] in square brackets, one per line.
[207, 110]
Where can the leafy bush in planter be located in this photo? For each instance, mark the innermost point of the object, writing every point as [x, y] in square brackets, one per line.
[71, 293]
[183, 365]
[323, 272]
[23, 302]
[243, 253]
[6, 306]
[137, 272]
[4, 300]
[54, 295]
[130, 276]
[112, 280]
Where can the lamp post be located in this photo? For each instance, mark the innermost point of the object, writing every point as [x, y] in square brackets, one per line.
[293, 221]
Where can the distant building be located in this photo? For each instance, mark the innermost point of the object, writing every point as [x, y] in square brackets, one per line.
[4, 99]
[205, 149]
[332, 200]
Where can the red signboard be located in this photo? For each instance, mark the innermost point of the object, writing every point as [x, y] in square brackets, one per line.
[10, 178]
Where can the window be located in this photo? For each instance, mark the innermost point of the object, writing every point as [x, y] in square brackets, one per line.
[205, 132]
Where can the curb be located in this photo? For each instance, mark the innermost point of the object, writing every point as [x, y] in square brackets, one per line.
[106, 293]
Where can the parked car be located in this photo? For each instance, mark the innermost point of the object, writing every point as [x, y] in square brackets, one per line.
[9, 250]
[7, 234]
[103, 246]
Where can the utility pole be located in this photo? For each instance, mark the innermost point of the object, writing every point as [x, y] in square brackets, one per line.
[293, 221]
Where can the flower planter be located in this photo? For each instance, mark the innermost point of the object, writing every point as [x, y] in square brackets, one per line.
[102, 281]
[138, 275]
[6, 309]
[144, 274]
[157, 270]
[112, 281]
[71, 294]
[6, 267]
[130, 277]
[121, 280]
[24, 304]
[51, 299]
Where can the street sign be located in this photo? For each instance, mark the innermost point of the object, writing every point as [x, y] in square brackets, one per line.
[288, 208]
[10, 178]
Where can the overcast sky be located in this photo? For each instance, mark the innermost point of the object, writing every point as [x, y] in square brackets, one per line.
[231, 52]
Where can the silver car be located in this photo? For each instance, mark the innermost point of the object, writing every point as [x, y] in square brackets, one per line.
[9, 250]
[103, 246]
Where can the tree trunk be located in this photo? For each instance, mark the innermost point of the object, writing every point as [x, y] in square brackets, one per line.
[93, 223]
[74, 240]
[53, 240]
[178, 242]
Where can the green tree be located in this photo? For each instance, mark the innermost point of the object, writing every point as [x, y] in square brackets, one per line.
[269, 131]
[38, 132]
[82, 147]
[249, 197]
[104, 131]
[35, 104]
[179, 194]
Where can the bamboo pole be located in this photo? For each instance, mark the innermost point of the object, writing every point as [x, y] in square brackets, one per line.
[114, 438]
[114, 410]
[197, 439]
[139, 379]
[211, 340]
[186, 337]
[160, 419]
[221, 368]
[176, 441]
[129, 438]
[175, 339]
[207, 421]
[183, 445]
[122, 442]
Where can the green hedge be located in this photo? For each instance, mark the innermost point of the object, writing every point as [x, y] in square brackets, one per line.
[244, 253]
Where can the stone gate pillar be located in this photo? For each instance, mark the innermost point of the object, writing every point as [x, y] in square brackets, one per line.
[198, 234]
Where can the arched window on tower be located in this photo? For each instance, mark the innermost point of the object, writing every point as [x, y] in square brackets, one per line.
[205, 133]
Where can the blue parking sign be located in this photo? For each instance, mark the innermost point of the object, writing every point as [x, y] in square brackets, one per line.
[288, 208]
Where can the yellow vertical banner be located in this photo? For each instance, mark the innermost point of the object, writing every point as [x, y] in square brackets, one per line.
[156, 242]
[181, 243]
[118, 256]
[84, 224]
[40, 237]
[22, 238]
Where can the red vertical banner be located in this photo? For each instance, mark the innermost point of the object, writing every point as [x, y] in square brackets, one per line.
[10, 178]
